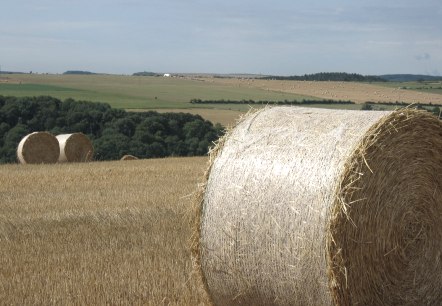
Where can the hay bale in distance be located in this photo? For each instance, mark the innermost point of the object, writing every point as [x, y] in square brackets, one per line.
[38, 148]
[129, 157]
[75, 147]
[324, 207]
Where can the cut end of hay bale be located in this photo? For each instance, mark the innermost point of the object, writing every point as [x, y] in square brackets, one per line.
[318, 207]
[75, 147]
[386, 221]
[38, 148]
[129, 157]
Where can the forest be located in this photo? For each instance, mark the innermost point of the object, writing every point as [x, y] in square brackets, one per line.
[114, 132]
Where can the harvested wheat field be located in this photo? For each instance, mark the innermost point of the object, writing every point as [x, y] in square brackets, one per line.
[98, 233]
[353, 91]
[225, 117]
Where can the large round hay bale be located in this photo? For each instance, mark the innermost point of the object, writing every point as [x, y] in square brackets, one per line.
[38, 148]
[324, 207]
[75, 147]
[129, 157]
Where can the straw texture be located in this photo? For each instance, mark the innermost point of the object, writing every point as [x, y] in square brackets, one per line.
[75, 147]
[38, 148]
[324, 207]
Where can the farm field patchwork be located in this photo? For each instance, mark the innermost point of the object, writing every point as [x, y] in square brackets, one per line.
[137, 93]
[99, 233]
[134, 91]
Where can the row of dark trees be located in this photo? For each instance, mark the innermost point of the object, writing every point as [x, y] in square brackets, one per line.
[81, 72]
[114, 132]
[330, 76]
[146, 73]
[265, 102]
[435, 109]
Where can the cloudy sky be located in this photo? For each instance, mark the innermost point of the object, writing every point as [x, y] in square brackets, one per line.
[282, 37]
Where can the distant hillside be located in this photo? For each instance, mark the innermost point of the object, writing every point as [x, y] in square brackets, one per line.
[78, 72]
[329, 76]
[409, 77]
[10, 72]
[146, 73]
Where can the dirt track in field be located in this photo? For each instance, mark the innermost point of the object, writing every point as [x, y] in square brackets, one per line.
[356, 92]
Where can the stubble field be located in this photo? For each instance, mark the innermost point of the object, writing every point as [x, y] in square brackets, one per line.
[114, 233]
[353, 91]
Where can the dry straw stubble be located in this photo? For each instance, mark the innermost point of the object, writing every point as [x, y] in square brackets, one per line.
[106, 233]
[75, 147]
[324, 207]
[38, 148]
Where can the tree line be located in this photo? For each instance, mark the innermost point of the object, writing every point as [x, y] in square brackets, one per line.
[80, 72]
[146, 73]
[266, 102]
[329, 76]
[113, 132]
[435, 109]
[430, 107]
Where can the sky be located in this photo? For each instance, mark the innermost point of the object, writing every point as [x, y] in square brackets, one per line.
[279, 37]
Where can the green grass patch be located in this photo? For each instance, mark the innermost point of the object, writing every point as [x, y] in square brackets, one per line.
[426, 86]
[34, 89]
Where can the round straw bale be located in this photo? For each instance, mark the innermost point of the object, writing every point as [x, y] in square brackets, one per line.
[129, 157]
[38, 148]
[324, 207]
[75, 147]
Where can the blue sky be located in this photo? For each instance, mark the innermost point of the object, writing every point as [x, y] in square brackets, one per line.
[283, 37]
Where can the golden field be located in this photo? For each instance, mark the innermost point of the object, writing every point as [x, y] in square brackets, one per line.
[225, 117]
[353, 91]
[99, 233]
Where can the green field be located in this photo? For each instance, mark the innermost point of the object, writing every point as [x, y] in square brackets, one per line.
[426, 86]
[22, 90]
[133, 92]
